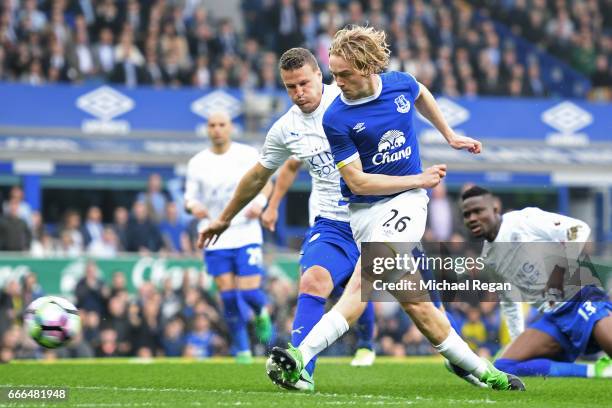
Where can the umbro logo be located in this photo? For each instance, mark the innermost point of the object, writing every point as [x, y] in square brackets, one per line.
[359, 127]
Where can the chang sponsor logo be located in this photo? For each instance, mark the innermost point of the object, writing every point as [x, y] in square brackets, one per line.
[389, 141]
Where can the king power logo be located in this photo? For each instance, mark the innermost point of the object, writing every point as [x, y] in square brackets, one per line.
[567, 119]
[105, 104]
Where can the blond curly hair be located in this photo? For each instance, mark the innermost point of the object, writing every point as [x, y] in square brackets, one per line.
[364, 48]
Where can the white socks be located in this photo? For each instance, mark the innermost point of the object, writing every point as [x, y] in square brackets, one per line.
[459, 353]
[329, 329]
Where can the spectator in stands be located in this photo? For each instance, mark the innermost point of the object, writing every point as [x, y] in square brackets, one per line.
[602, 76]
[92, 228]
[31, 289]
[103, 51]
[120, 226]
[474, 331]
[11, 305]
[285, 18]
[91, 291]
[142, 234]
[71, 229]
[108, 346]
[119, 285]
[200, 341]
[105, 247]
[14, 232]
[24, 211]
[173, 340]
[154, 198]
[440, 214]
[147, 340]
[81, 57]
[173, 231]
[66, 246]
[118, 321]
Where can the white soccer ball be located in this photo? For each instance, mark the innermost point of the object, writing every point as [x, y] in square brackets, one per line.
[52, 321]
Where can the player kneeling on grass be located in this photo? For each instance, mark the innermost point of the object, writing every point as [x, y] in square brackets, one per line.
[576, 319]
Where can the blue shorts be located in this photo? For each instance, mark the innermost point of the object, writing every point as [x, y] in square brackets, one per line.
[572, 324]
[330, 244]
[243, 261]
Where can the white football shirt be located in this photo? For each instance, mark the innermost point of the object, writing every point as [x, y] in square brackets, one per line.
[530, 242]
[211, 180]
[301, 135]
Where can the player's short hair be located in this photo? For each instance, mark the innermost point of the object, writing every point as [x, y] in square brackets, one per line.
[475, 191]
[296, 58]
[364, 48]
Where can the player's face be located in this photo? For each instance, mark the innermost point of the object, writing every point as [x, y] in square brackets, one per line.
[353, 84]
[219, 128]
[304, 86]
[480, 216]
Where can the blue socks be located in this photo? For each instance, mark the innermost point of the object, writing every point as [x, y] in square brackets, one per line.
[541, 367]
[309, 311]
[365, 328]
[255, 298]
[236, 320]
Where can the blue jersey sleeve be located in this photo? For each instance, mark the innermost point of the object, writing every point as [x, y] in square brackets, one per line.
[342, 146]
[411, 84]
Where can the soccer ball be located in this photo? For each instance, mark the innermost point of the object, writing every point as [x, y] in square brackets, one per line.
[52, 321]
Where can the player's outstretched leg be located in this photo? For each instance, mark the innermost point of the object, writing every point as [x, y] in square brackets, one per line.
[332, 326]
[436, 328]
[316, 285]
[365, 354]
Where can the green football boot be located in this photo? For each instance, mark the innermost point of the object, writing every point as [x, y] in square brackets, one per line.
[290, 362]
[263, 326]
[603, 368]
[498, 380]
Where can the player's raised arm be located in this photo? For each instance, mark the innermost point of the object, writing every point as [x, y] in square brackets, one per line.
[285, 179]
[362, 183]
[250, 185]
[428, 107]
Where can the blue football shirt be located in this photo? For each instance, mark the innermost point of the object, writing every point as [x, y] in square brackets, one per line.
[377, 129]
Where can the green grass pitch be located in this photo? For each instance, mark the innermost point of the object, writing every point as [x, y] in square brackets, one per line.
[418, 382]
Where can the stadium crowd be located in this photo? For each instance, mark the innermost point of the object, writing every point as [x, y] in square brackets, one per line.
[452, 47]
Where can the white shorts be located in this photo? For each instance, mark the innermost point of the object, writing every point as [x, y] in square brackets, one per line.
[398, 219]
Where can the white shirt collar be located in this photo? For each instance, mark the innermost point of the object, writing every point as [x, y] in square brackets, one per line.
[366, 99]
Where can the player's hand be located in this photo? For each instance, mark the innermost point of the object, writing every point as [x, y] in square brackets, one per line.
[269, 218]
[254, 211]
[463, 142]
[199, 211]
[432, 176]
[211, 233]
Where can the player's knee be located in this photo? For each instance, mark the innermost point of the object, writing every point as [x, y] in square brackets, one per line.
[316, 281]
[506, 365]
[225, 282]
